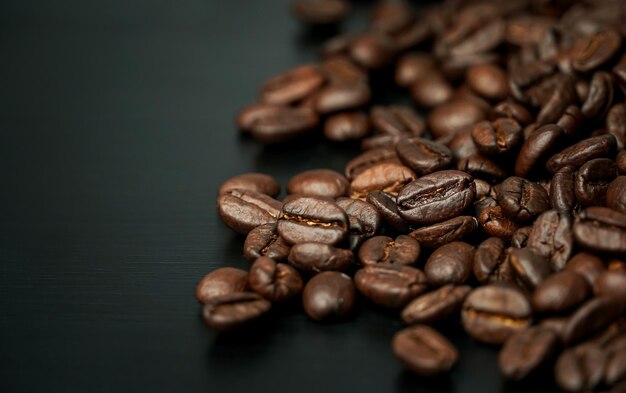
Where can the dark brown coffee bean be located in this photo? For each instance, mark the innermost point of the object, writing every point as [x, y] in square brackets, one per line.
[592, 180]
[520, 237]
[522, 200]
[526, 351]
[437, 235]
[311, 219]
[594, 50]
[616, 369]
[454, 116]
[437, 305]
[369, 159]
[616, 194]
[616, 124]
[283, 123]
[551, 237]
[591, 317]
[292, 86]
[397, 120]
[481, 38]
[562, 195]
[243, 210]
[277, 282]
[412, 67]
[450, 264]
[372, 50]
[620, 161]
[436, 197]
[386, 206]
[536, 148]
[571, 120]
[561, 292]
[484, 203]
[431, 90]
[580, 368]
[328, 296]
[489, 81]
[391, 17]
[365, 220]
[600, 95]
[346, 127]
[498, 137]
[611, 284]
[321, 12]
[510, 109]
[390, 286]
[342, 97]
[527, 29]
[318, 182]
[531, 268]
[423, 156]
[491, 262]
[264, 241]
[587, 265]
[387, 177]
[560, 96]
[461, 145]
[578, 154]
[231, 310]
[491, 314]
[494, 223]
[424, 351]
[222, 281]
[481, 167]
[339, 69]
[319, 257]
[258, 182]
[404, 250]
[414, 35]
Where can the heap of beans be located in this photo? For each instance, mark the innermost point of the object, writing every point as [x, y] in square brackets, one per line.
[504, 208]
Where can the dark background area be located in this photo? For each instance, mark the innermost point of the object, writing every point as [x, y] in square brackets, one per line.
[117, 126]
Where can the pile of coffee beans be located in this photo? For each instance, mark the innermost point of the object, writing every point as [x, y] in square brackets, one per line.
[504, 209]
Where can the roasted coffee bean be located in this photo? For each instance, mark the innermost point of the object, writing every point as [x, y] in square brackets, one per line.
[258, 182]
[592, 181]
[342, 97]
[277, 282]
[562, 195]
[510, 109]
[489, 81]
[386, 206]
[484, 189]
[526, 351]
[436, 197]
[387, 177]
[404, 250]
[520, 237]
[461, 145]
[412, 67]
[244, 210]
[455, 116]
[437, 305]
[616, 369]
[470, 35]
[591, 317]
[369, 159]
[397, 120]
[594, 50]
[431, 90]
[600, 95]
[491, 314]
[498, 137]
[437, 235]
[390, 286]
[231, 310]
[522, 200]
[365, 220]
[616, 194]
[571, 120]
[530, 267]
[321, 12]
[339, 69]
[372, 50]
[347, 126]
[581, 368]
[551, 237]
[450, 264]
[318, 257]
[413, 35]
[424, 351]
[562, 95]
[484, 203]
[282, 123]
[481, 167]
[491, 262]
[264, 241]
[318, 182]
[292, 86]
[578, 154]
[587, 265]
[312, 219]
[222, 281]
[390, 17]
[249, 114]
[328, 296]
[561, 292]
[423, 156]
[616, 123]
[494, 223]
[611, 284]
[381, 141]
[536, 148]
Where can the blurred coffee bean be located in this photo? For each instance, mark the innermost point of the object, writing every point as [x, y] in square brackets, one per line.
[396, 120]
[328, 296]
[292, 85]
[346, 127]
[489, 81]
[424, 351]
[526, 351]
[437, 305]
[454, 116]
[561, 292]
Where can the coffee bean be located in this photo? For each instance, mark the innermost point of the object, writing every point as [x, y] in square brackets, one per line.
[369, 159]
[328, 296]
[424, 351]
[616, 124]
[592, 180]
[580, 368]
[562, 195]
[413, 35]
[578, 154]
[431, 89]
[423, 156]
[387, 177]
[454, 116]
[390, 286]
[317, 257]
[551, 237]
[571, 120]
[611, 284]
[561, 292]
[412, 67]
[391, 17]
[461, 145]
[436, 197]
[264, 241]
[591, 317]
[318, 182]
[365, 221]
[526, 351]
[386, 206]
[555, 103]
[536, 148]
[616, 194]
[530, 267]
[600, 95]
[282, 123]
[480, 37]
[222, 281]
[510, 109]
[381, 141]
[258, 182]
[277, 282]
[397, 120]
[292, 86]
[491, 262]
[346, 127]
[494, 223]
[616, 368]
[244, 210]
[228, 311]
[342, 97]
[481, 167]
[450, 264]
[437, 235]
[249, 114]
[522, 200]
[489, 81]
[498, 137]
[321, 12]
[520, 237]
[312, 219]
[587, 265]
[437, 305]
[404, 250]
[491, 314]
[595, 49]
[372, 50]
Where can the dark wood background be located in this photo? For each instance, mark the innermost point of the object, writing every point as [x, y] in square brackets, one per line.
[117, 125]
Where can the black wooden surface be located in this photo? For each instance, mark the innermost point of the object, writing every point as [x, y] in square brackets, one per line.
[117, 128]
